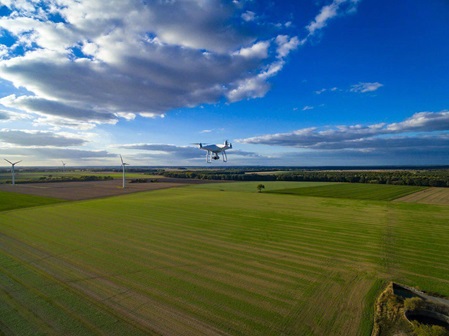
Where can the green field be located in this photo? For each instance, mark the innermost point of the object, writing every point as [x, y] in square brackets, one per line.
[381, 192]
[200, 261]
[252, 186]
[9, 201]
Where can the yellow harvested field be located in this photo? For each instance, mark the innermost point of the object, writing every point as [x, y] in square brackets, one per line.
[438, 196]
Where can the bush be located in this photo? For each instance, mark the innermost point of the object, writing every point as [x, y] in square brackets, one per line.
[413, 304]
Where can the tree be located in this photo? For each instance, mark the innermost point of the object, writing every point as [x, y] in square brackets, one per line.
[260, 187]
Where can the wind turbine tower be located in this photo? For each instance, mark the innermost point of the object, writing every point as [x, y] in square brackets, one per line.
[123, 169]
[63, 166]
[12, 170]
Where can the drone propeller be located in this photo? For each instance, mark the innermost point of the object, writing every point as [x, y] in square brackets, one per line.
[201, 144]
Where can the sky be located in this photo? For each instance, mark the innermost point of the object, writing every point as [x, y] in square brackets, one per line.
[288, 83]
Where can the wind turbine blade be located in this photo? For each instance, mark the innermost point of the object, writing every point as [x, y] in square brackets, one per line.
[17, 162]
[121, 159]
[8, 161]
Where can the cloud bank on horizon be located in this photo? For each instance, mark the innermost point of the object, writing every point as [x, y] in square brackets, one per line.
[421, 132]
[72, 71]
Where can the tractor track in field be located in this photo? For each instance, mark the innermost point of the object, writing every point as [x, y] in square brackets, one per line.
[130, 305]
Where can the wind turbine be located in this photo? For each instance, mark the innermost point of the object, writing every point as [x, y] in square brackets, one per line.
[63, 166]
[123, 168]
[12, 170]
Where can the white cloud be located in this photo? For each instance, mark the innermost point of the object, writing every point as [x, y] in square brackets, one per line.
[286, 44]
[99, 61]
[423, 121]
[257, 50]
[254, 87]
[307, 107]
[102, 61]
[365, 87]
[39, 138]
[423, 131]
[249, 16]
[336, 8]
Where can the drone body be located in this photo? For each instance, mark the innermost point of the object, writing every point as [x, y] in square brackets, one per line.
[214, 150]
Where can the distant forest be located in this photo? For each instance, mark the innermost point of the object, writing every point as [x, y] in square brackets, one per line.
[426, 177]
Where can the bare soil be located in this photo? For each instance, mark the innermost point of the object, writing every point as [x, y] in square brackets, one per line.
[94, 189]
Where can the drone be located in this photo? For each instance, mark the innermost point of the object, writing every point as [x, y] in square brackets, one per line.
[213, 150]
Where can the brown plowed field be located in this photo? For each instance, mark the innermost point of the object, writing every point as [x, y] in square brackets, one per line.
[94, 189]
[438, 196]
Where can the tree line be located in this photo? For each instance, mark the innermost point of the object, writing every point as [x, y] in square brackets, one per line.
[430, 178]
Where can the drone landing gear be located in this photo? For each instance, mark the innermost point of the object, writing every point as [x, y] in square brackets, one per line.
[214, 156]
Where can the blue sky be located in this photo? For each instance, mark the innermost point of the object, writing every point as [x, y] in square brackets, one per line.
[301, 83]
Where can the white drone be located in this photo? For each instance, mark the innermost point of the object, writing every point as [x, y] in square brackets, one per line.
[213, 150]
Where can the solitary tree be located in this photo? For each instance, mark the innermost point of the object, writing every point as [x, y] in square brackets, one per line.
[260, 187]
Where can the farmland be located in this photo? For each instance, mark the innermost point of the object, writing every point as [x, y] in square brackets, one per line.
[29, 175]
[215, 259]
[9, 201]
[357, 191]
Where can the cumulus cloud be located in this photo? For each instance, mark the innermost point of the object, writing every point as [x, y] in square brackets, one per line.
[422, 131]
[57, 109]
[96, 62]
[38, 138]
[257, 50]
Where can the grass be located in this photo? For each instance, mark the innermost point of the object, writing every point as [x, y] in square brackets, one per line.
[195, 260]
[9, 201]
[381, 192]
[252, 186]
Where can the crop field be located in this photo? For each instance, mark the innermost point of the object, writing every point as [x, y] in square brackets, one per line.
[382, 192]
[252, 186]
[201, 260]
[84, 190]
[9, 201]
[428, 196]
